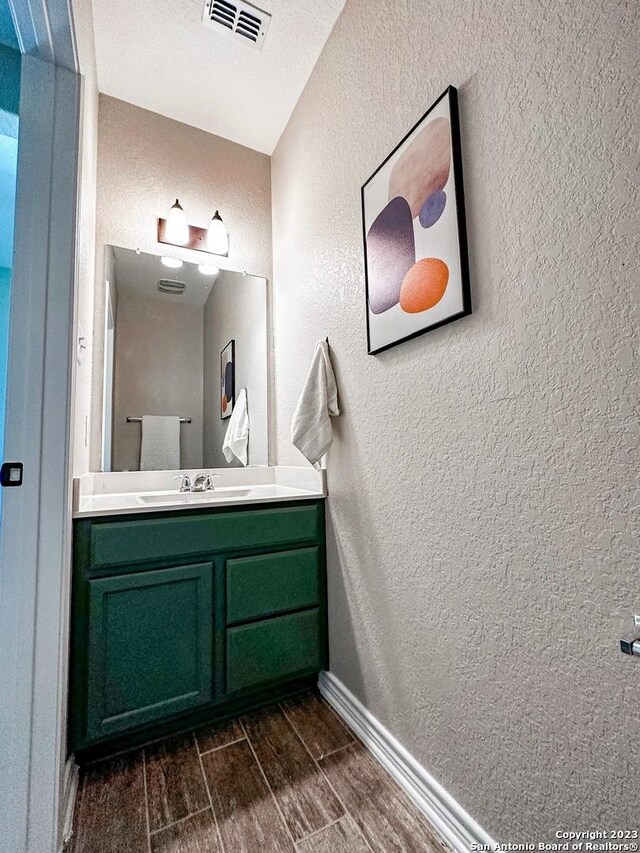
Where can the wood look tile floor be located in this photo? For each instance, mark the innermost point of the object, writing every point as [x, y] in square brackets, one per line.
[288, 778]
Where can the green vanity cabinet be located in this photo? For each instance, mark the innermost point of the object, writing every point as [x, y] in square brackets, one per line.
[184, 617]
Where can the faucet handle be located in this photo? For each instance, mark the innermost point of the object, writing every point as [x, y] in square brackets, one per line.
[185, 485]
[208, 481]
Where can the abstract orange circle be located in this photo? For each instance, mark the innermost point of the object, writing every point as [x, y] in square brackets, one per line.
[424, 285]
[225, 402]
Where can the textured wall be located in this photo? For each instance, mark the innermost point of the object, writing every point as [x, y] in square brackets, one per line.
[236, 310]
[145, 161]
[158, 371]
[483, 559]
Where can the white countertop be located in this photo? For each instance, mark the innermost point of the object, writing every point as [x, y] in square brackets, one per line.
[124, 493]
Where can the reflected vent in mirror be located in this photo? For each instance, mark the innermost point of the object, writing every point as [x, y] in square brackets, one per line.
[238, 19]
[166, 285]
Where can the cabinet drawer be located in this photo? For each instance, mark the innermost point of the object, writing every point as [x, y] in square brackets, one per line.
[272, 583]
[150, 647]
[117, 543]
[273, 650]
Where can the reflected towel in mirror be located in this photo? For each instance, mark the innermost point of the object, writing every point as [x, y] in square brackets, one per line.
[160, 447]
[236, 439]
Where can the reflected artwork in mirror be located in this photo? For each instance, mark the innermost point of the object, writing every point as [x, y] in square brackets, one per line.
[227, 379]
[180, 344]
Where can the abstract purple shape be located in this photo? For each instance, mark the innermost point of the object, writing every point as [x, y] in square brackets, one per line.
[390, 253]
[433, 208]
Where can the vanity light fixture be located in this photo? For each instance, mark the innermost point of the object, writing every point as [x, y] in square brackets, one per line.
[172, 263]
[177, 228]
[208, 269]
[176, 231]
[217, 237]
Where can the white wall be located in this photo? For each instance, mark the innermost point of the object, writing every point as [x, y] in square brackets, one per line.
[145, 162]
[236, 310]
[482, 558]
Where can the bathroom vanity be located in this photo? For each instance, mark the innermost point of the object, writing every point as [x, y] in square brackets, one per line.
[188, 606]
[189, 610]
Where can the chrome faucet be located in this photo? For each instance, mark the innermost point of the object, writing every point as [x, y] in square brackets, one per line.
[204, 482]
[186, 485]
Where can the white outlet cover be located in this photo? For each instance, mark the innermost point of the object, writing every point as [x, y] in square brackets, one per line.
[636, 619]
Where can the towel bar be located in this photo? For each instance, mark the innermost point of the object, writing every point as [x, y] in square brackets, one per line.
[131, 420]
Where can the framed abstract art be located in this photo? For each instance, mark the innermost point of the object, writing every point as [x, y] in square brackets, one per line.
[227, 379]
[415, 242]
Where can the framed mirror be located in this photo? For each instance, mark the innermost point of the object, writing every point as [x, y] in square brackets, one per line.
[168, 332]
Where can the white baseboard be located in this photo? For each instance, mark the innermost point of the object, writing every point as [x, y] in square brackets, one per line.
[452, 822]
[71, 776]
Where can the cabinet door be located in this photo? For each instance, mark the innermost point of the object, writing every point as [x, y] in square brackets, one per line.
[150, 647]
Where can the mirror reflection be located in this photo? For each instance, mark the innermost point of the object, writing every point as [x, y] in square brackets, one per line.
[185, 382]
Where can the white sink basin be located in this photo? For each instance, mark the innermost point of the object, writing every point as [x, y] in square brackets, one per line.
[195, 497]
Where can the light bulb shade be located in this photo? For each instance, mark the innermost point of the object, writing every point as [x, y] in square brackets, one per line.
[177, 228]
[217, 237]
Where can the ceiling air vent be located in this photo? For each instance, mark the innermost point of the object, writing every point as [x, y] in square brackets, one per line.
[238, 19]
[166, 285]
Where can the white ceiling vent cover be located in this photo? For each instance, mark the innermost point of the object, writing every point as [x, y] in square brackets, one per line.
[166, 285]
[240, 20]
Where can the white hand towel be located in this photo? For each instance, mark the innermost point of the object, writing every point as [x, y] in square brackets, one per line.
[311, 430]
[236, 439]
[160, 448]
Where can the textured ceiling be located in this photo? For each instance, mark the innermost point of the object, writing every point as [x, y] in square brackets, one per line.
[158, 54]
